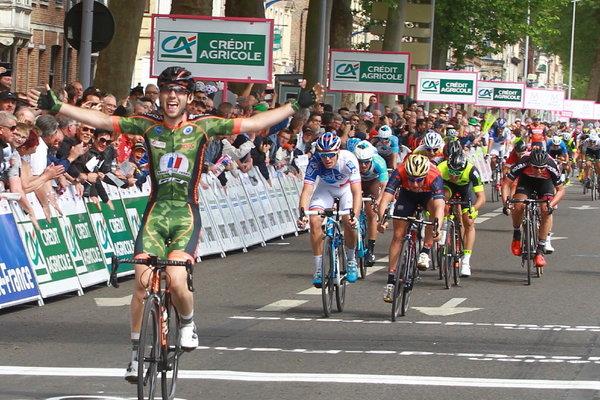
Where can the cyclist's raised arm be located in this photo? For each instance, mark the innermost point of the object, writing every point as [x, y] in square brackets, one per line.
[49, 101]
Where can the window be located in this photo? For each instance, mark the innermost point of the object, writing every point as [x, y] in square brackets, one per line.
[53, 72]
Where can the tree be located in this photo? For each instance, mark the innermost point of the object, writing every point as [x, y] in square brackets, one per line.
[586, 57]
[191, 7]
[340, 35]
[116, 62]
[312, 40]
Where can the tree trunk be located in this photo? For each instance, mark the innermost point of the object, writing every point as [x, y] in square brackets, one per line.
[340, 34]
[593, 89]
[192, 7]
[392, 40]
[247, 9]
[311, 54]
[116, 62]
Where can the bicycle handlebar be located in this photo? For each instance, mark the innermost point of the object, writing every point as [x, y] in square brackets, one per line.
[528, 201]
[466, 203]
[151, 261]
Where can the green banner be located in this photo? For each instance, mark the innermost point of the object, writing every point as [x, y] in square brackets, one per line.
[135, 207]
[384, 72]
[83, 245]
[53, 245]
[118, 229]
[231, 48]
[456, 87]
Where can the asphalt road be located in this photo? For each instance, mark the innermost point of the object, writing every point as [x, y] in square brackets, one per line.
[506, 340]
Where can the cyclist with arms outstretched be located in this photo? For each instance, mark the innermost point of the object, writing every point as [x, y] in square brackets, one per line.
[175, 143]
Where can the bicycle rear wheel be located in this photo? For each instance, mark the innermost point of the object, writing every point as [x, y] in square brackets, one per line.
[361, 249]
[327, 283]
[170, 352]
[340, 290]
[149, 352]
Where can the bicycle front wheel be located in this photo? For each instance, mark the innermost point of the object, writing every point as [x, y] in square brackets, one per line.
[170, 351]
[149, 351]
[340, 290]
[327, 278]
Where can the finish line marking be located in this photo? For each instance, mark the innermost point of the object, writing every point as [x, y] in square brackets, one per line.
[311, 377]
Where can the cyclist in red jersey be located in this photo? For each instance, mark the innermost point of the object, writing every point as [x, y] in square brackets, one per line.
[419, 183]
[536, 133]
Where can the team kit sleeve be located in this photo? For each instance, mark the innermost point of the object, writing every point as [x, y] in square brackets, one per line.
[312, 170]
[353, 170]
[394, 144]
[214, 126]
[394, 182]
[380, 168]
[555, 174]
[516, 169]
[131, 125]
[437, 188]
[475, 179]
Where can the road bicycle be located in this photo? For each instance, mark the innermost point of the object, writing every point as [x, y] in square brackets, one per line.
[529, 237]
[333, 267]
[496, 181]
[362, 249]
[159, 350]
[407, 273]
[450, 252]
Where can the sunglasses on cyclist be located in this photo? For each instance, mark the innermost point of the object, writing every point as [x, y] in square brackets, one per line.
[416, 180]
[328, 155]
[364, 162]
[454, 171]
[178, 89]
[432, 149]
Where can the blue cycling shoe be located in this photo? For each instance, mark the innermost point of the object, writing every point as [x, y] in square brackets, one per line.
[317, 280]
[352, 272]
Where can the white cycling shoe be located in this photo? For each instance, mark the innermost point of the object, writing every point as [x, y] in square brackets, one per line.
[188, 338]
[423, 262]
[131, 373]
[465, 269]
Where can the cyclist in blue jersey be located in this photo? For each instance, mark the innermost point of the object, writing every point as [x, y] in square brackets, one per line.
[498, 134]
[374, 177]
[339, 177]
[387, 146]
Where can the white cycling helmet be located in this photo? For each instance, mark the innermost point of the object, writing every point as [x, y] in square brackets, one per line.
[556, 140]
[364, 151]
[433, 140]
[385, 132]
[593, 136]
[566, 136]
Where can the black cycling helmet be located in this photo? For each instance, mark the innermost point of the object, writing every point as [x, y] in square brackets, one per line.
[457, 161]
[452, 147]
[520, 147]
[538, 158]
[177, 76]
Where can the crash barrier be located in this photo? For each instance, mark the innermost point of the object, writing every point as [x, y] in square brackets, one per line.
[72, 249]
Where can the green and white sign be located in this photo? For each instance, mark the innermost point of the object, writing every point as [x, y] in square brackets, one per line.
[500, 94]
[81, 241]
[222, 49]
[447, 86]
[369, 71]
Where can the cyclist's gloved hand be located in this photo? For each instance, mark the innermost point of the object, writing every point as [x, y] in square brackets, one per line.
[49, 101]
[505, 209]
[551, 209]
[473, 213]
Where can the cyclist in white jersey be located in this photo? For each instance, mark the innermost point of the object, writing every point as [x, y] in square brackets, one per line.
[339, 177]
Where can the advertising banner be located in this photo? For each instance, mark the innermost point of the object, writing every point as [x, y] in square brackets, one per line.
[222, 49]
[135, 202]
[500, 94]
[369, 71]
[543, 99]
[597, 111]
[17, 280]
[582, 109]
[82, 244]
[47, 251]
[447, 86]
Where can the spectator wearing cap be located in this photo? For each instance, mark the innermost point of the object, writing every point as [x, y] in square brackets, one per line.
[138, 158]
[8, 101]
[5, 76]
[136, 92]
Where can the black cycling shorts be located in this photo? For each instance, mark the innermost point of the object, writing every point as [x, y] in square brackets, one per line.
[542, 188]
[407, 202]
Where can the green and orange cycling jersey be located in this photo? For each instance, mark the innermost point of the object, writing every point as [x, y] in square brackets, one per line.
[175, 153]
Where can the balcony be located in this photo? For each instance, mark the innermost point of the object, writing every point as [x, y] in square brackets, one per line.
[15, 22]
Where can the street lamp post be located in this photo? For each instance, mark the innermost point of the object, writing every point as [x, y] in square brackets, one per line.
[571, 55]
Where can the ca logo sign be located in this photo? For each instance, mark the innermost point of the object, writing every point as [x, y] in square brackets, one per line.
[430, 85]
[485, 93]
[178, 47]
[346, 70]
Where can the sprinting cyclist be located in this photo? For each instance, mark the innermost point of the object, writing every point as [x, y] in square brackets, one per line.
[175, 143]
[558, 150]
[374, 176]
[499, 134]
[591, 148]
[387, 146]
[339, 177]
[463, 180]
[431, 147]
[536, 133]
[537, 174]
[418, 183]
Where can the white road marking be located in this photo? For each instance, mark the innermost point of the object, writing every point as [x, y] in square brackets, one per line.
[383, 259]
[313, 291]
[246, 376]
[446, 309]
[584, 207]
[551, 327]
[282, 305]
[372, 270]
[479, 220]
[278, 244]
[113, 301]
[491, 214]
